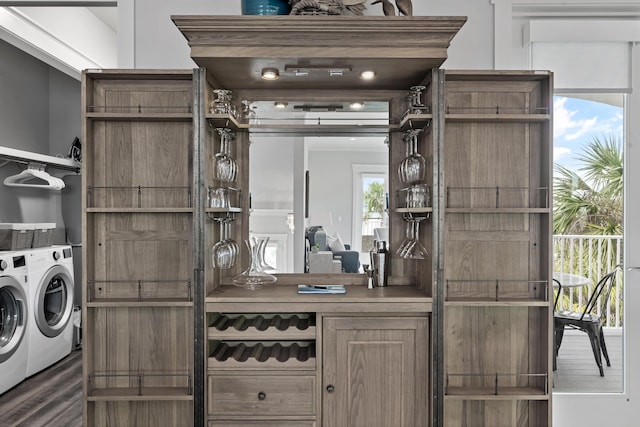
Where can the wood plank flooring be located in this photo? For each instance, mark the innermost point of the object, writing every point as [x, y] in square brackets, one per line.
[577, 370]
[51, 398]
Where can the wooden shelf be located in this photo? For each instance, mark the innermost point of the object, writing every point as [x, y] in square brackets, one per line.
[497, 118]
[498, 210]
[139, 210]
[225, 121]
[141, 117]
[123, 302]
[285, 298]
[504, 393]
[415, 121]
[135, 394]
[414, 210]
[515, 302]
[223, 210]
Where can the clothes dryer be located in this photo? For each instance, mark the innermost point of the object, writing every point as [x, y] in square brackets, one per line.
[13, 319]
[50, 283]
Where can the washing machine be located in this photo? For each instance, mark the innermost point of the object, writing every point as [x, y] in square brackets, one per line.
[14, 312]
[50, 284]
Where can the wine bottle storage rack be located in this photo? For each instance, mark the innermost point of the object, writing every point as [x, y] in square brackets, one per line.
[496, 290]
[139, 197]
[263, 326]
[527, 385]
[143, 385]
[139, 291]
[498, 197]
[262, 355]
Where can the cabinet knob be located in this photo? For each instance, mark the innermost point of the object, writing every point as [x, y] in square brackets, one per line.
[330, 388]
[262, 395]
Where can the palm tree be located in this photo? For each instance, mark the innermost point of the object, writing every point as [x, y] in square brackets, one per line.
[589, 201]
[374, 199]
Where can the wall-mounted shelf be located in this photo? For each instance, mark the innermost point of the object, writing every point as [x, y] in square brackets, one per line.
[26, 157]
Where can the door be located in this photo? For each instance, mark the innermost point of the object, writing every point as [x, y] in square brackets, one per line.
[54, 301]
[375, 372]
[12, 316]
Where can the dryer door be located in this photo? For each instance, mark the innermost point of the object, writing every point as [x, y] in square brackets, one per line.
[13, 316]
[54, 301]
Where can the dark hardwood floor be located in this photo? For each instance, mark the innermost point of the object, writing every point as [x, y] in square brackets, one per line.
[51, 398]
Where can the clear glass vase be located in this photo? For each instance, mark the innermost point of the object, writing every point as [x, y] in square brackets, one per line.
[254, 277]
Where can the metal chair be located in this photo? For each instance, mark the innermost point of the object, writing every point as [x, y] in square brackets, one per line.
[586, 321]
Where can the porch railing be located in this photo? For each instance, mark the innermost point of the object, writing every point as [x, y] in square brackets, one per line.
[591, 257]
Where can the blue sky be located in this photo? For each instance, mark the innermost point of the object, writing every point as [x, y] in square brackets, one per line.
[576, 122]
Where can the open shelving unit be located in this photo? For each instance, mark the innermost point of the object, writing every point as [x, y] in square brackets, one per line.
[138, 234]
[497, 153]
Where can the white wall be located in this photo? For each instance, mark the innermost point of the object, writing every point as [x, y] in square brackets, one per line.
[331, 188]
[158, 43]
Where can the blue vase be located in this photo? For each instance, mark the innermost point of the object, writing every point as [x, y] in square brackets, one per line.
[265, 7]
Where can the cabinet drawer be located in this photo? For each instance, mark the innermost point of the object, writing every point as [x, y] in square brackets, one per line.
[258, 395]
[261, 424]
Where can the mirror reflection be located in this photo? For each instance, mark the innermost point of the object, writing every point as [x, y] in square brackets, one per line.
[320, 194]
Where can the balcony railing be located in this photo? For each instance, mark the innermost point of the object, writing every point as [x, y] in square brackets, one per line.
[591, 257]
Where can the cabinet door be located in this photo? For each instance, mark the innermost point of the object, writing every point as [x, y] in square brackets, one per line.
[375, 372]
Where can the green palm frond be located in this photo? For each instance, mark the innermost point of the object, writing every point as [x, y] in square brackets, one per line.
[590, 201]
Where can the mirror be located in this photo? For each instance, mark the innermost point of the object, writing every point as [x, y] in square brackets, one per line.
[322, 165]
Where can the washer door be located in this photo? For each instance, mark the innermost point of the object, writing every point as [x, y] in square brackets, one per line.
[13, 316]
[54, 301]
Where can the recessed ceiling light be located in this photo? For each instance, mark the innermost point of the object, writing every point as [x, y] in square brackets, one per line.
[270, 74]
[357, 105]
[281, 105]
[368, 75]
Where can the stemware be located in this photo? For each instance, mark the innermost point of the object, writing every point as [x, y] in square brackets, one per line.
[218, 197]
[225, 166]
[412, 168]
[416, 104]
[411, 248]
[249, 115]
[224, 252]
[417, 196]
[222, 103]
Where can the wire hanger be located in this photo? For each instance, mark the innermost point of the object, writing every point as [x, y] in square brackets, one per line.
[34, 176]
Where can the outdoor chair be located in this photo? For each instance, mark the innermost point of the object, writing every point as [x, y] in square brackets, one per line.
[587, 321]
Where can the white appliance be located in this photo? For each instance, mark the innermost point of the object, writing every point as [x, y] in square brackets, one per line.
[13, 319]
[50, 283]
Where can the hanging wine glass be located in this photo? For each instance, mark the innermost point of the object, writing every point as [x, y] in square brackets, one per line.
[414, 249]
[223, 252]
[412, 168]
[225, 167]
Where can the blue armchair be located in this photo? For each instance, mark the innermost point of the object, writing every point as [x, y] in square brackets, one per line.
[350, 259]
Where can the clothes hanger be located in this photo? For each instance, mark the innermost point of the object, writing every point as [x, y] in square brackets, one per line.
[32, 177]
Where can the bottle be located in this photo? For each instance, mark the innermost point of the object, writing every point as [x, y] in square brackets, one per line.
[380, 261]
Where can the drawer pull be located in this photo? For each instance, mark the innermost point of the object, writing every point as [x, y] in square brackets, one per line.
[330, 388]
[262, 395]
